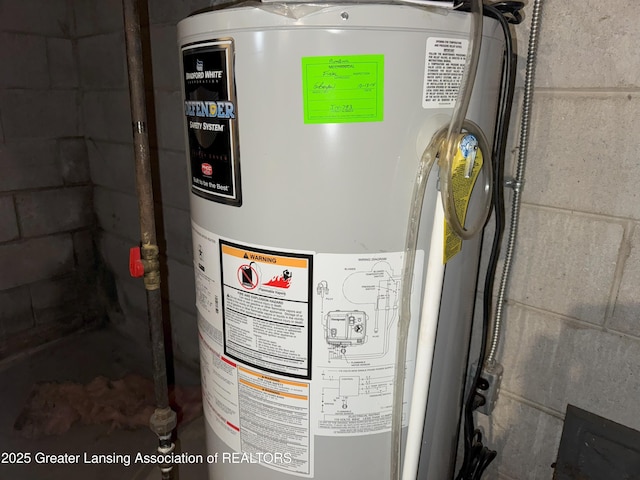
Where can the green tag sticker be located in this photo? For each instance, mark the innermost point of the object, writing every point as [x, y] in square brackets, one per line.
[343, 89]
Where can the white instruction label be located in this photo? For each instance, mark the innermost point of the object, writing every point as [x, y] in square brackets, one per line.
[255, 349]
[265, 416]
[275, 418]
[444, 66]
[220, 393]
[206, 265]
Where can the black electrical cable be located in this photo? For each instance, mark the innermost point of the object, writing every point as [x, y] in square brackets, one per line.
[477, 457]
[510, 10]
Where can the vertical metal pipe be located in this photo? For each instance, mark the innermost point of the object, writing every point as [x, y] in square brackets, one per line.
[163, 420]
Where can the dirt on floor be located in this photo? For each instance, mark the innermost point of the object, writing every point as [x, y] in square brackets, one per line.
[53, 407]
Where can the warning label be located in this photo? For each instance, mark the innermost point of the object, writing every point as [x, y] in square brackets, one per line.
[275, 417]
[463, 178]
[266, 308]
[255, 413]
[444, 66]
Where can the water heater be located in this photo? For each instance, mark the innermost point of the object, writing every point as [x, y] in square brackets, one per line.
[304, 126]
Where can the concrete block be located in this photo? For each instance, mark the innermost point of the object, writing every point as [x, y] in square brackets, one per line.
[177, 233]
[175, 188]
[63, 315]
[182, 286]
[35, 259]
[626, 312]
[184, 333]
[131, 293]
[102, 61]
[114, 252]
[164, 51]
[525, 438]
[52, 293]
[132, 299]
[43, 17]
[117, 213]
[24, 61]
[170, 120]
[67, 300]
[107, 115]
[580, 163]
[52, 211]
[29, 164]
[74, 161]
[84, 248]
[565, 263]
[171, 12]
[39, 113]
[98, 17]
[593, 47]
[553, 362]
[15, 311]
[63, 69]
[112, 165]
[8, 221]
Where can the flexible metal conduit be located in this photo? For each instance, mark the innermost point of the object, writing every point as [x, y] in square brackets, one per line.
[163, 420]
[518, 180]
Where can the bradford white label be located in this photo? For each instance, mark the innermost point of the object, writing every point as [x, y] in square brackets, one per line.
[211, 120]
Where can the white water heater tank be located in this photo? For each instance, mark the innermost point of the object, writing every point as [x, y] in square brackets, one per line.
[304, 129]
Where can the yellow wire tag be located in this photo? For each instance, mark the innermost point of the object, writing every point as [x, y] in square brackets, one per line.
[467, 163]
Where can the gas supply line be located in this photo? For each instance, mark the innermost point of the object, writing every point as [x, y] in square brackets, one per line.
[144, 261]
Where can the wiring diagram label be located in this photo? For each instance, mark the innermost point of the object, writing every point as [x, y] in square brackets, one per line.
[444, 65]
[357, 311]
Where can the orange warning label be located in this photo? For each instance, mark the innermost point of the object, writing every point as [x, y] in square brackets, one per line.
[264, 258]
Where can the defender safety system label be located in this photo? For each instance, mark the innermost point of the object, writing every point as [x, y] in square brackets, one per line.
[211, 118]
[343, 89]
[444, 65]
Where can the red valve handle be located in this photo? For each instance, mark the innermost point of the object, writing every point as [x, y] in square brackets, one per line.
[136, 268]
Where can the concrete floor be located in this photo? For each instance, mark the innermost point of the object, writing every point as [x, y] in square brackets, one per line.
[80, 358]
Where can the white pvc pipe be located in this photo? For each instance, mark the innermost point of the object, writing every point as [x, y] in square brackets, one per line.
[426, 341]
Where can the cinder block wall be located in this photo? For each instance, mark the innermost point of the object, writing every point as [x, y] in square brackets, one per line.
[105, 106]
[47, 263]
[573, 329]
[573, 312]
